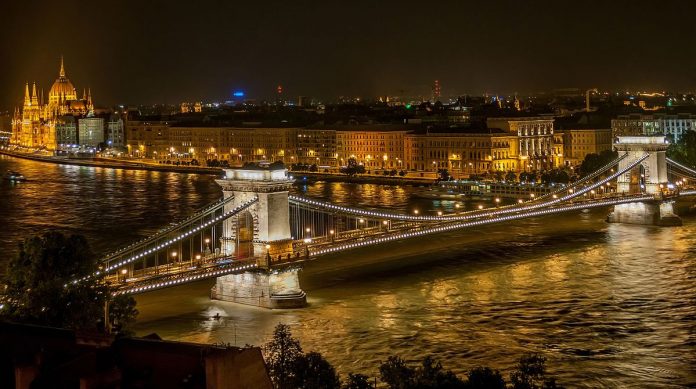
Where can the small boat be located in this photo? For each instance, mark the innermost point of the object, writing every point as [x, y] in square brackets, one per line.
[14, 176]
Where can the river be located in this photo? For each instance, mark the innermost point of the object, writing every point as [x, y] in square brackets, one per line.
[609, 305]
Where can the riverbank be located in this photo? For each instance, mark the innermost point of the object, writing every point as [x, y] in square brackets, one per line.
[143, 165]
[114, 164]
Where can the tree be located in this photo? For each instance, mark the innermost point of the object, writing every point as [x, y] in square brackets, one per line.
[352, 168]
[443, 175]
[312, 371]
[402, 173]
[531, 374]
[396, 374]
[41, 288]
[684, 151]
[314, 168]
[282, 354]
[511, 176]
[431, 375]
[485, 378]
[499, 175]
[358, 381]
[122, 313]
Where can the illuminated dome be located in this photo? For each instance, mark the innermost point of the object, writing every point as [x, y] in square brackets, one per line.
[62, 88]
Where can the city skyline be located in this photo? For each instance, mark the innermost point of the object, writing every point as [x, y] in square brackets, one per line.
[168, 53]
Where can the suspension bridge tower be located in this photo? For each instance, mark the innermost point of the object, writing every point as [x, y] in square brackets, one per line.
[648, 177]
[261, 231]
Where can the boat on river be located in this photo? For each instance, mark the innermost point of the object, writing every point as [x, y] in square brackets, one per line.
[14, 176]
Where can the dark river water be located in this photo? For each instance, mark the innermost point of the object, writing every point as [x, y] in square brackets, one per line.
[608, 305]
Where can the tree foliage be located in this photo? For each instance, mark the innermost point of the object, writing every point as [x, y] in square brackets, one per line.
[684, 151]
[51, 282]
[312, 371]
[282, 354]
[352, 168]
[40, 288]
[358, 381]
[594, 162]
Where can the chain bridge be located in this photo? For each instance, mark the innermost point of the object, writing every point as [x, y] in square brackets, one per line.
[254, 240]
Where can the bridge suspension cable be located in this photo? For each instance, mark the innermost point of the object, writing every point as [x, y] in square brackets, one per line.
[143, 250]
[680, 166]
[585, 179]
[480, 222]
[211, 208]
[466, 215]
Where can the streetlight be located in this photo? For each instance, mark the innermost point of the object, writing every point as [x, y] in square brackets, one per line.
[124, 272]
[439, 213]
[415, 211]
[268, 253]
[198, 259]
[497, 201]
[480, 206]
[457, 205]
[519, 201]
[207, 247]
[332, 233]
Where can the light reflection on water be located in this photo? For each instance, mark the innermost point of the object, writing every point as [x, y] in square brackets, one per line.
[609, 305]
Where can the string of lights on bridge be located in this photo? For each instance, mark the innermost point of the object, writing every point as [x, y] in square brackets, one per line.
[209, 273]
[211, 208]
[677, 164]
[479, 223]
[183, 235]
[471, 214]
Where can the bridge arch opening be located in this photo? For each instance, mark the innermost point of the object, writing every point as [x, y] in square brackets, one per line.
[245, 235]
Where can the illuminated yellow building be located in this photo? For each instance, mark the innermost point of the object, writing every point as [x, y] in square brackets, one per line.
[35, 125]
[374, 146]
[462, 153]
[578, 142]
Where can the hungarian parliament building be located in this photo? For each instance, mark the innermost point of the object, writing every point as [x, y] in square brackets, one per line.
[47, 124]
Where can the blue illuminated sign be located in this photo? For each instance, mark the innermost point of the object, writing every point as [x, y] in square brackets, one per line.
[238, 94]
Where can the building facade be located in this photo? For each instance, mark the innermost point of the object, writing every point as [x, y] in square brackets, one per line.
[36, 124]
[90, 131]
[535, 139]
[413, 148]
[671, 125]
[579, 142]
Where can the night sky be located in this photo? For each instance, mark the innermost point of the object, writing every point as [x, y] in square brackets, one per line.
[171, 51]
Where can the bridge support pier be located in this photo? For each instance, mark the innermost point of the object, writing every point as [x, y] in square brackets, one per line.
[273, 289]
[658, 213]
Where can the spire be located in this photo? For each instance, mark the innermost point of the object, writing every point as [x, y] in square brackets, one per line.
[84, 94]
[27, 98]
[89, 96]
[34, 95]
[62, 68]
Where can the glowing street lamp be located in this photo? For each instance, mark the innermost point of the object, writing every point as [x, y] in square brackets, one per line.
[124, 272]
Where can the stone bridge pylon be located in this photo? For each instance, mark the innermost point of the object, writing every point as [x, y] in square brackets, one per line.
[648, 177]
[262, 231]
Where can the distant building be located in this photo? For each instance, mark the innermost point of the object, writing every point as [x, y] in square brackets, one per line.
[90, 131]
[66, 132]
[115, 134]
[35, 125]
[670, 125]
[579, 142]
[535, 139]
